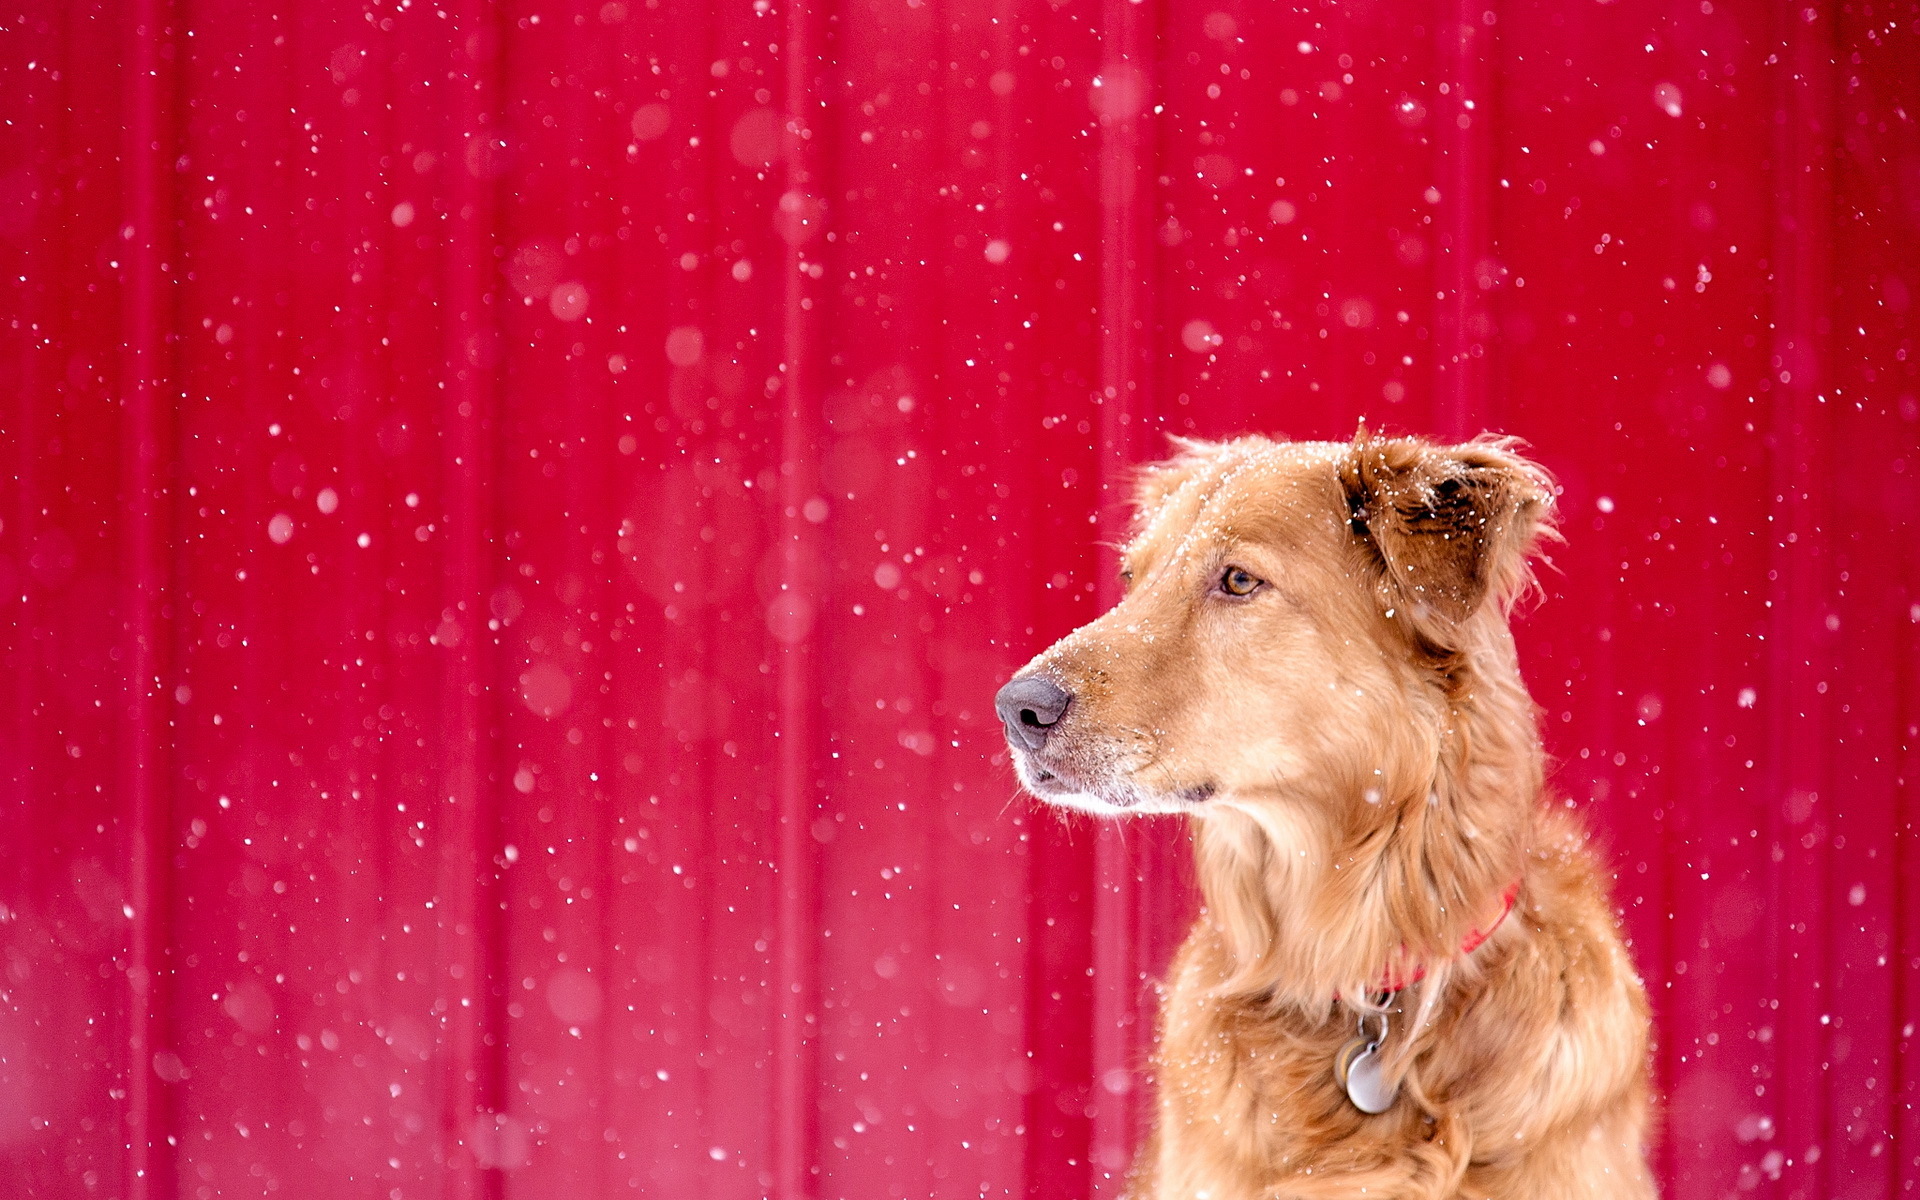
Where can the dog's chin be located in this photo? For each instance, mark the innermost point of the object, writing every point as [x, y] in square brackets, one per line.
[1106, 798]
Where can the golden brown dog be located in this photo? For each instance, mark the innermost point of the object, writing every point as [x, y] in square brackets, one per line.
[1312, 660]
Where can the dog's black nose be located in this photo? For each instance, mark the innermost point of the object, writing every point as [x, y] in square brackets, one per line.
[1029, 708]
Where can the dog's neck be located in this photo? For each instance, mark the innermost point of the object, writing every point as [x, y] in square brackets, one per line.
[1318, 897]
[1404, 970]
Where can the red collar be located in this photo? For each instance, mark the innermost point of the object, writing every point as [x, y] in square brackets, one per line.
[1391, 982]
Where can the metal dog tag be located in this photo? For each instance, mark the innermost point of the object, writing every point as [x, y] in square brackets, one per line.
[1357, 1066]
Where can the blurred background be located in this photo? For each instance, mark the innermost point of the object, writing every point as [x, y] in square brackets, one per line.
[515, 513]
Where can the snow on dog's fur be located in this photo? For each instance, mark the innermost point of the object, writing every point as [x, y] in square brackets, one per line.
[1313, 660]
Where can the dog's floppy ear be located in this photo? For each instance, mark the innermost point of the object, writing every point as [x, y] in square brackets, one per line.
[1448, 528]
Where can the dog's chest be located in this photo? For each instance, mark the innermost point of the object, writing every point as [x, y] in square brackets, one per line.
[1283, 1071]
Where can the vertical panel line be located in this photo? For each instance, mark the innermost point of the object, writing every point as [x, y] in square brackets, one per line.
[143, 581]
[470, 924]
[1466, 199]
[794, 623]
[1901, 915]
[1127, 63]
[1800, 434]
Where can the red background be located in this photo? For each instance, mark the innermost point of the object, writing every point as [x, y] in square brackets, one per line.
[517, 512]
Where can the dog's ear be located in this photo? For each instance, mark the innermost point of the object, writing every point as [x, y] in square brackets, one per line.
[1158, 481]
[1448, 528]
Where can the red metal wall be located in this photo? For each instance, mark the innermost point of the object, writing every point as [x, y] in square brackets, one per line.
[516, 512]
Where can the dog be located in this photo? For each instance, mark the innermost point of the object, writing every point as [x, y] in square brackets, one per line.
[1406, 979]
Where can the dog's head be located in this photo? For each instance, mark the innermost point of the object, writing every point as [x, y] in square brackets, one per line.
[1299, 620]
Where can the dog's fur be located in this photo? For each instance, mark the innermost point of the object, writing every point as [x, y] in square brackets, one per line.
[1363, 770]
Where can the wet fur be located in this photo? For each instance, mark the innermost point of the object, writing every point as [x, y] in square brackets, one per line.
[1363, 770]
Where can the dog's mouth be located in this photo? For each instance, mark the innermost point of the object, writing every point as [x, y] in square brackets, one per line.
[1115, 793]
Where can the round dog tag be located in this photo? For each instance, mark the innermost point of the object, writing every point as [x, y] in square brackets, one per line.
[1357, 1066]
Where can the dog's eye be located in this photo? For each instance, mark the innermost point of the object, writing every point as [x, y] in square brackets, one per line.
[1126, 580]
[1237, 582]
